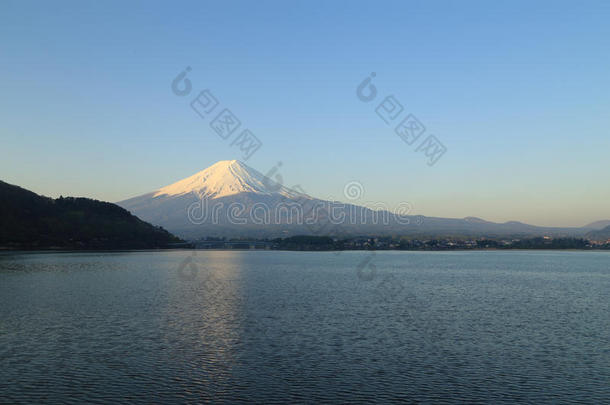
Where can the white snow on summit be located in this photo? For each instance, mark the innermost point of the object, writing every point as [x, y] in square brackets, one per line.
[225, 178]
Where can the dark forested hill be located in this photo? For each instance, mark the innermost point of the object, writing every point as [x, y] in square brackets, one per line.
[30, 221]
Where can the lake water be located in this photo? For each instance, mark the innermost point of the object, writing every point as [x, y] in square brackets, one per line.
[269, 326]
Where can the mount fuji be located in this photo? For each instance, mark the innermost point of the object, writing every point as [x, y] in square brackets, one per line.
[226, 178]
[232, 199]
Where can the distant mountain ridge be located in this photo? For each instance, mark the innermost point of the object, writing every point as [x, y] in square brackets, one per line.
[230, 186]
[599, 235]
[31, 221]
[598, 224]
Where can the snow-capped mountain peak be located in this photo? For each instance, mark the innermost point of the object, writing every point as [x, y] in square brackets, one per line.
[267, 209]
[225, 178]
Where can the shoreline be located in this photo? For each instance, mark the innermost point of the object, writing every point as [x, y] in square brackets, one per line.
[25, 251]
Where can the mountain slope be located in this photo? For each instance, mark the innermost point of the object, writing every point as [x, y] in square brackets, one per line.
[29, 221]
[231, 199]
[598, 225]
[600, 235]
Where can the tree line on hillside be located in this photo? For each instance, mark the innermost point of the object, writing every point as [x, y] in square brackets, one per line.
[30, 221]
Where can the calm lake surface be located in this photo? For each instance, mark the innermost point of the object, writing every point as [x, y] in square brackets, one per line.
[269, 326]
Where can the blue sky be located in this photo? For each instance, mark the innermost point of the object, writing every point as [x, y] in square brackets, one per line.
[518, 92]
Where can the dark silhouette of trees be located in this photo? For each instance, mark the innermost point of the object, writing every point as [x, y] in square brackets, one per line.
[30, 221]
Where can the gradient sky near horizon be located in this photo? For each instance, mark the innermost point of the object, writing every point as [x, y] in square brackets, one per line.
[518, 92]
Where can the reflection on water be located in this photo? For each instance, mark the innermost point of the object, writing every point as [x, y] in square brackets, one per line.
[202, 315]
[304, 327]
